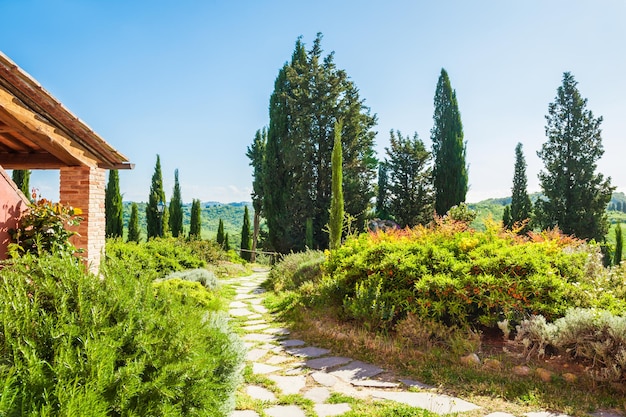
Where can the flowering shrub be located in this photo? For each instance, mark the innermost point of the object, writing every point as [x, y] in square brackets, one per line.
[44, 229]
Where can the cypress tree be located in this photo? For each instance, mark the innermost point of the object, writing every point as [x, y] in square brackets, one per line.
[521, 207]
[619, 242]
[245, 236]
[133, 224]
[113, 210]
[154, 219]
[176, 209]
[21, 178]
[450, 170]
[506, 217]
[256, 153]
[220, 234]
[382, 194]
[226, 243]
[195, 224]
[335, 224]
[576, 196]
[410, 180]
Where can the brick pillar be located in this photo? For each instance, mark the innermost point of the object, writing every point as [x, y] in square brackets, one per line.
[83, 187]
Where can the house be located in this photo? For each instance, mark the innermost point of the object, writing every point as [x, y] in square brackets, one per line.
[38, 132]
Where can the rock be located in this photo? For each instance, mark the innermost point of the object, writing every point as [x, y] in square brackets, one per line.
[521, 370]
[492, 364]
[570, 377]
[544, 374]
[472, 359]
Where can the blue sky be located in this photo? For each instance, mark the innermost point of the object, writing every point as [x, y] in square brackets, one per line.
[191, 80]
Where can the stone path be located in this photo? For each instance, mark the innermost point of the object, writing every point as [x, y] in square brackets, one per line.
[298, 368]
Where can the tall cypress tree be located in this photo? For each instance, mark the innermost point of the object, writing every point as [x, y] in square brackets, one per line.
[619, 242]
[521, 207]
[576, 196]
[382, 193]
[133, 224]
[154, 219]
[195, 224]
[245, 236]
[410, 180]
[335, 222]
[226, 243]
[176, 208]
[450, 170]
[21, 178]
[256, 153]
[220, 238]
[113, 210]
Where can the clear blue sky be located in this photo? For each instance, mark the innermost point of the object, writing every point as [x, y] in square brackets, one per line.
[191, 80]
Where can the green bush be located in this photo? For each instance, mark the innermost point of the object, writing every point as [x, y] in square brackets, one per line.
[72, 344]
[295, 269]
[206, 278]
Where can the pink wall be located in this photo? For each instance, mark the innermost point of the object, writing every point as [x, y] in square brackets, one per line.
[12, 203]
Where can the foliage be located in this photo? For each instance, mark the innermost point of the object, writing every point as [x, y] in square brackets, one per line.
[256, 153]
[226, 244]
[461, 213]
[206, 278]
[154, 219]
[410, 192]
[133, 224]
[295, 269]
[195, 224]
[116, 345]
[189, 292]
[310, 95]
[521, 207]
[113, 206]
[335, 220]
[176, 209]
[457, 276]
[44, 229]
[221, 237]
[245, 236]
[576, 196]
[619, 242]
[21, 178]
[450, 170]
[382, 192]
[597, 338]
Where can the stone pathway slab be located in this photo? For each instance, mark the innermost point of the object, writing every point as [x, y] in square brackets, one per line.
[276, 360]
[323, 378]
[240, 312]
[440, 404]
[357, 370]
[373, 383]
[318, 395]
[258, 337]
[327, 362]
[280, 331]
[255, 327]
[261, 368]
[238, 304]
[260, 393]
[415, 384]
[289, 384]
[259, 308]
[307, 352]
[255, 354]
[329, 410]
[292, 343]
[285, 411]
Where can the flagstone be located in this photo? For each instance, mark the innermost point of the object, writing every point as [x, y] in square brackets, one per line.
[285, 411]
[317, 394]
[440, 404]
[262, 368]
[260, 393]
[308, 352]
[329, 410]
[323, 378]
[327, 362]
[357, 370]
[289, 384]
[256, 354]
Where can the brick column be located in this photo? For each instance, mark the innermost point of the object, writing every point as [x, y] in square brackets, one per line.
[83, 187]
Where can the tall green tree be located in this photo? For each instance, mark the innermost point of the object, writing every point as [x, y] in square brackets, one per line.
[450, 169]
[256, 154]
[410, 180]
[576, 196]
[154, 218]
[133, 224]
[382, 192]
[619, 243]
[113, 208]
[21, 178]
[521, 206]
[310, 95]
[195, 224]
[335, 222]
[176, 209]
[220, 238]
[506, 217]
[226, 244]
[246, 241]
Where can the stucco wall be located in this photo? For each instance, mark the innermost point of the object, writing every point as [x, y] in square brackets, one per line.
[12, 203]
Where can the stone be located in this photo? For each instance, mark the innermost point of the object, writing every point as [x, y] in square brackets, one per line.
[521, 370]
[237, 304]
[292, 343]
[307, 352]
[440, 404]
[258, 337]
[329, 410]
[253, 322]
[323, 378]
[289, 384]
[415, 384]
[277, 331]
[317, 394]
[544, 374]
[327, 362]
[492, 364]
[285, 411]
[240, 312]
[255, 327]
[260, 393]
[570, 377]
[255, 354]
[259, 308]
[261, 368]
[471, 360]
[276, 360]
[373, 383]
[244, 413]
[356, 370]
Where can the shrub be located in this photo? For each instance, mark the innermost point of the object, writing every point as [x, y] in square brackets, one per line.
[296, 268]
[206, 278]
[73, 344]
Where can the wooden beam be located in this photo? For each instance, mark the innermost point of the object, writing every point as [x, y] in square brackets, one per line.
[30, 161]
